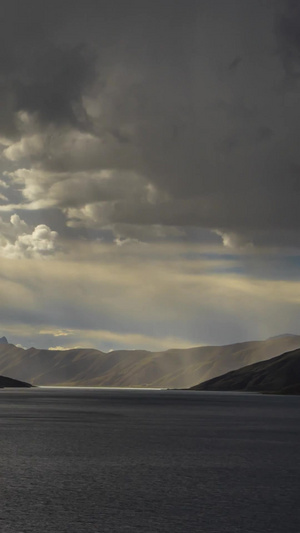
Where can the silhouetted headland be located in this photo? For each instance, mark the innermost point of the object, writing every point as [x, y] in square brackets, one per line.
[9, 382]
[279, 375]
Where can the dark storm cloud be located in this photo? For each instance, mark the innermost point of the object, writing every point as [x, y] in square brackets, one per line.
[54, 88]
[235, 63]
[39, 74]
[288, 32]
[179, 93]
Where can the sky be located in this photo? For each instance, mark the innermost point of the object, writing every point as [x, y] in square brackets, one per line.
[150, 172]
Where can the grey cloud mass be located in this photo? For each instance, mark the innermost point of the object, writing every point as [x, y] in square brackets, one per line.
[141, 115]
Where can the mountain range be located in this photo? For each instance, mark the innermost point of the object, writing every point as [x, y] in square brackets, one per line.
[175, 368]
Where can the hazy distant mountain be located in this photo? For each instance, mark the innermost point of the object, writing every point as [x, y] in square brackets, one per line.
[279, 375]
[8, 382]
[136, 368]
[282, 335]
[3, 340]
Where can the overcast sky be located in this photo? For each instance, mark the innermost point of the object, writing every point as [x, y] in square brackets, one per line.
[150, 164]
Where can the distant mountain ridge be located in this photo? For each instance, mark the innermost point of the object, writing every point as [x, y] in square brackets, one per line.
[280, 374]
[281, 336]
[176, 368]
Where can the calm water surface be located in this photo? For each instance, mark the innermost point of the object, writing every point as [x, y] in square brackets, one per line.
[84, 460]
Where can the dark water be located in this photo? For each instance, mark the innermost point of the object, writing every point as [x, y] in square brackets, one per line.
[148, 461]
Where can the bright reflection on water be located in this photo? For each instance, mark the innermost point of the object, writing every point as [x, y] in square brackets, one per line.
[148, 461]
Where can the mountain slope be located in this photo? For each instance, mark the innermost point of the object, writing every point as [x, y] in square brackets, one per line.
[279, 375]
[8, 382]
[136, 368]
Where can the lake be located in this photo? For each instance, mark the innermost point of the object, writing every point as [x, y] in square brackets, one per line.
[112, 460]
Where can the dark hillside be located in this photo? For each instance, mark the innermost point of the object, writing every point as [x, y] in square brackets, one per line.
[279, 375]
[9, 382]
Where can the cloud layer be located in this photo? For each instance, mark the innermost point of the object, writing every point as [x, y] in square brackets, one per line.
[143, 297]
[195, 127]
